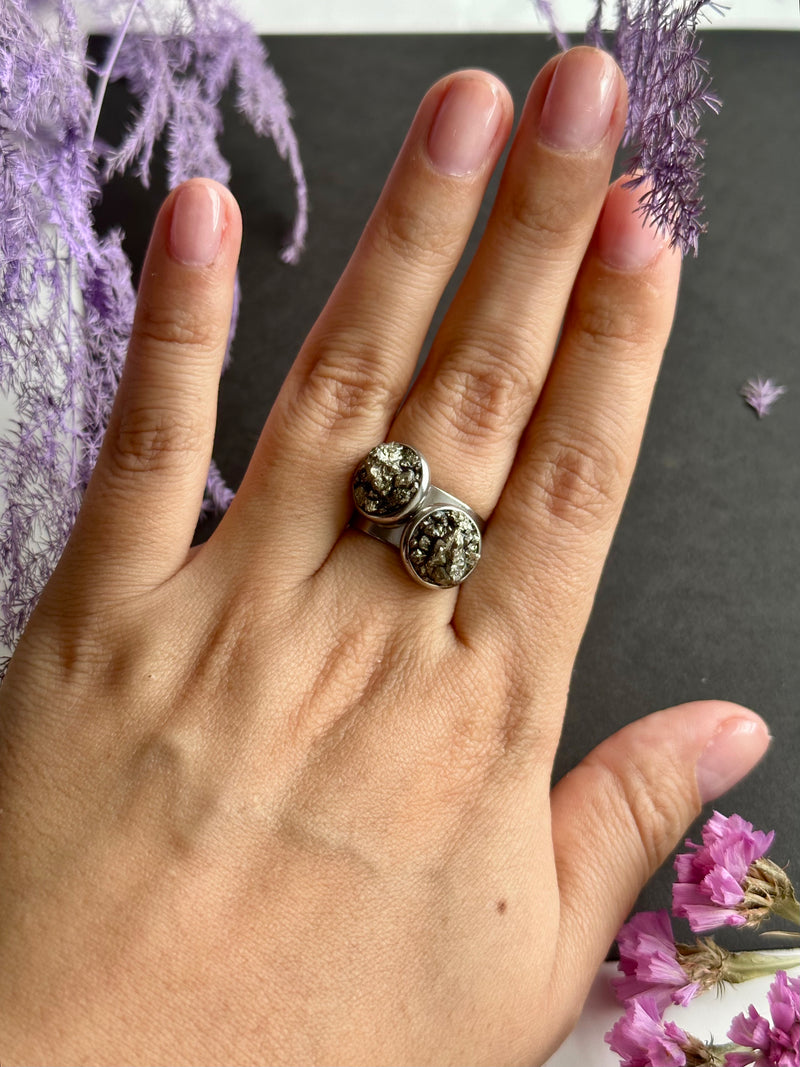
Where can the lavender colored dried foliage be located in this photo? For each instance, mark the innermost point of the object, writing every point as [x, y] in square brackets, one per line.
[66, 296]
[178, 77]
[761, 394]
[669, 90]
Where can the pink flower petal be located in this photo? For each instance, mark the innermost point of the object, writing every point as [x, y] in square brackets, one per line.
[779, 1044]
[723, 888]
[641, 1038]
[712, 876]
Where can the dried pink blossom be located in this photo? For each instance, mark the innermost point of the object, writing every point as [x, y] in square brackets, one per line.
[765, 1044]
[761, 394]
[648, 959]
[642, 1038]
[727, 881]
[655, 965]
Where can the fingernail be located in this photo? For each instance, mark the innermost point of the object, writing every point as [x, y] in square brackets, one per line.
[196, 230]
[625, 240]
[465, 126]
[580, 100]
[732, 752]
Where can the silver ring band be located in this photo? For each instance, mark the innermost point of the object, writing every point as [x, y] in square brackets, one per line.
[438, 535]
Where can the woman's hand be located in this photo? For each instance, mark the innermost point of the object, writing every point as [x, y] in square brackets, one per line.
[270, 801]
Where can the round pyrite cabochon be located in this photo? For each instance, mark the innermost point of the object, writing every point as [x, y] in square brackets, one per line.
[389, 482]
[442, 547]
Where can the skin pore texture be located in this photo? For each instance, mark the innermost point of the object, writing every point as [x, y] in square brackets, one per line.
[269, 801]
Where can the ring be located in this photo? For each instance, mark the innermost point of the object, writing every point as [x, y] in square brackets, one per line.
[438, 536]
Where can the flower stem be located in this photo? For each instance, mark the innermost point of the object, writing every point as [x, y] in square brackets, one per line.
[781, 935]
[741, 966]
[111, 59]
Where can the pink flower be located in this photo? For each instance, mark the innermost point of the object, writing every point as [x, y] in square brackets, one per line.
[648, 957]
[761, 394]
[641, 1038]
[767, 1045]
[712, 888]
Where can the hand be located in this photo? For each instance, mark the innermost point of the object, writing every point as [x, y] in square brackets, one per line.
[268, 800]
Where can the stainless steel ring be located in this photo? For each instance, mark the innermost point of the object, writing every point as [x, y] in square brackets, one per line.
[438, 535]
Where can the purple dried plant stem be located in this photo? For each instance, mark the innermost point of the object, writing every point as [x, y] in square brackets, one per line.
[545, 9]
[668, 92]
[108, 66]
[219, 495]
[761, 394]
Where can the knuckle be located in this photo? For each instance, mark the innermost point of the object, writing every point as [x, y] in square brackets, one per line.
[480, 393]
[90, 649]
[549, 215]
[612, 325]
[147, 439]
[348, 380]
[581, 482]
[654, 816]
[177, 330]
[415, 236]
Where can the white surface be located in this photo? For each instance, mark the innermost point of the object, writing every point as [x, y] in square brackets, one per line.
[468, 16]
[707, 1017]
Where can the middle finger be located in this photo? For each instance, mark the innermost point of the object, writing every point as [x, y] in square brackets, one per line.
[479, 385]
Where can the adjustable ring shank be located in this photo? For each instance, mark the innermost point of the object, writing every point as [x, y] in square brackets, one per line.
[392, 535]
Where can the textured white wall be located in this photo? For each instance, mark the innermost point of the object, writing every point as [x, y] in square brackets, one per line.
[466, 16]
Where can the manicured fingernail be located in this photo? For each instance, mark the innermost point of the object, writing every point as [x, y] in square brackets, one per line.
[465, 126]
[735, 749]
[580, 100]
[625, 240]
[196, 230]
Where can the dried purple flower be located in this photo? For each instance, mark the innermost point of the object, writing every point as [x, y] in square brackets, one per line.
[727, 880]
[218, 495]
[655, 44]
[672, 973]
[763, 1044]
[545, 9]
[66, 298]
[761, 394]
[641, 1038]
[177, 66]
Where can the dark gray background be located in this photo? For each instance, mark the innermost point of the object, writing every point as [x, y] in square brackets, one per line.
[699, 596]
